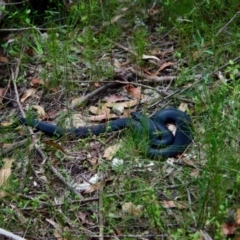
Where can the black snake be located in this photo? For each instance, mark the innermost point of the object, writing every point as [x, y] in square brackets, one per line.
[162, 143]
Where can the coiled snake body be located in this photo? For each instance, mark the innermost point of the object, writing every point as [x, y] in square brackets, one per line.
[162, 143]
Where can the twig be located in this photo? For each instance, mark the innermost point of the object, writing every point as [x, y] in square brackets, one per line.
[133, 236]
[14, 79]
[39, 150]
[59, 175]
[155, 104]
[190, 207]
[126, 49]
[10, 235]
[28, 28]
[158, 79]
[101, 221]
[228, 23]
[205, 235]
[14, 146]
[12, 100]
[152, 78]
[87, 97]
[201, 77]
[15, 3]
[138, 84]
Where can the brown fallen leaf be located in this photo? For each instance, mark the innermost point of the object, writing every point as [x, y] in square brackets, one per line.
[164, 65]
[77, 120]
[3, 91]
[58, 229]
[92, 188]
[199, 53]
[228, 229]
[3, 194]
[93, 161]
[134, 91]
[127, 104]
[52, 115]
[99, 111]
[35, 82]
[6, 145]
[183, 107]
[114, 98]
[102, 117]
[153, 11]
[40, 110]
[3, 59]
[238, 217]
[83, 217]
[127, 113]
[6, 170]
[111, 151]
[30, 52]
[51, 143]
[6, 124]
[96, 84]
[195, 172]
[117, 64]
[173, 204]
[76, 101]
[150, 57]
[131, 209]
[30, 92]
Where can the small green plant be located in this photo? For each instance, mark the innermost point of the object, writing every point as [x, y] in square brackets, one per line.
[153, 210]
[140, 43]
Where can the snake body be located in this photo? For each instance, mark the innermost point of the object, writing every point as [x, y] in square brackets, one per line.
[162, 143]
[183, 136]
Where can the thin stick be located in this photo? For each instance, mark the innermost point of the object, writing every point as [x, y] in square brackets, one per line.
[93, 199]
[199, 80]
[59, 175]
[132, 236]
[15, 3]
[87, 97]
[158, 79]
[126, 49]
[101, 220]
[137, 84]
[14, 146]
[14, 79]
[28, 28]
[205, 235]
[10, 235]
[228, 23]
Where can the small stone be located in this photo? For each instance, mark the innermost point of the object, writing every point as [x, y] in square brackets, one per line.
[118, 110]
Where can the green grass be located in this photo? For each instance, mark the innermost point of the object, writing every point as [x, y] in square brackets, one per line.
[79, 51]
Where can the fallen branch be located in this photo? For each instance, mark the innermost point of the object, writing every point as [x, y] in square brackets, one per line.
[149, 78]
[14, 146]
[89, 96]
[10, 235]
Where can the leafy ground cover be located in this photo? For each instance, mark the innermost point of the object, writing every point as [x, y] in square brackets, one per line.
[86, 62]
